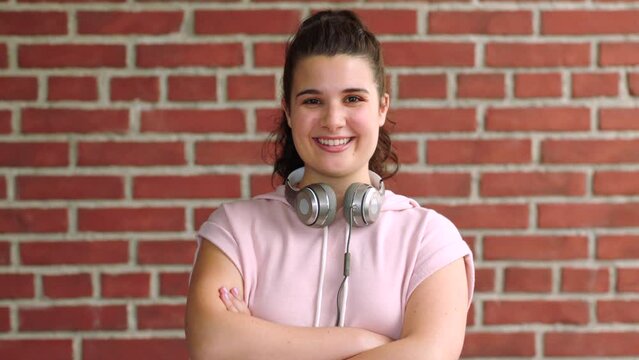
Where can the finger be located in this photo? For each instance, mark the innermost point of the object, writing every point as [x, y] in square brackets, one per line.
[226, 299]
[238, 301]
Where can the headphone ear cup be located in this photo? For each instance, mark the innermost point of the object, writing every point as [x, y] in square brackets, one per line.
[364, 201]
[316, 205]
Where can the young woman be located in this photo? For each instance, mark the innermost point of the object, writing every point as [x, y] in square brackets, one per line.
[330, 265]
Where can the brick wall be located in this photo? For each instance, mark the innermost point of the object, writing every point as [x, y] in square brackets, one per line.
[124, 123]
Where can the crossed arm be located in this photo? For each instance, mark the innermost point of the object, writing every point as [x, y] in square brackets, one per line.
[433, 328]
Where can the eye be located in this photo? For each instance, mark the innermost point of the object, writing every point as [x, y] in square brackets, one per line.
[311, 101]
[353, 99]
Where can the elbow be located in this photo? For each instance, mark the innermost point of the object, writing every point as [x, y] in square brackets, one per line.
[205, 340]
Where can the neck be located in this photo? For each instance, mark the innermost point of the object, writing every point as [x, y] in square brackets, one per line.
[338, 183]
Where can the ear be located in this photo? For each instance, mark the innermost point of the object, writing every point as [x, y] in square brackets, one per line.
[288, 117]
[384, 104]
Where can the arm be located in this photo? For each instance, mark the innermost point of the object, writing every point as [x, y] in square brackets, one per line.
[435, 319]
[214, 332]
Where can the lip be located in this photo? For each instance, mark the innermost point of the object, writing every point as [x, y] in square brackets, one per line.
[336, 148]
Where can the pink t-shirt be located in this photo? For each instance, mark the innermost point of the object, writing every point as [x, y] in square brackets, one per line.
[279, 259]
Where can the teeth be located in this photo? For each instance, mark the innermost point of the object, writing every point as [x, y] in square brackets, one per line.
[332, 142]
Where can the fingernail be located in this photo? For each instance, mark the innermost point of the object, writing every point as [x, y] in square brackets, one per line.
[224, 293]
[235, 292]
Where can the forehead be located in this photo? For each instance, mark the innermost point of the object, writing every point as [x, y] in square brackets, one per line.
[320, 71]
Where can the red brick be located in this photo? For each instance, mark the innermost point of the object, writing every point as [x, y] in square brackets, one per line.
[192, 88]
[589, 22]
[535, 247]
[187, 187]
[131, 153]
[532, 184]
[131, 219]
[389, 21]
[413, 53]
[3, 188]
[32, 349]
[69, 187]
[483, 86]
[633, 84]
[527, 280]
[18, 88]
[28, 220]
[174, 284]
[480, 22]
[585, 280]
[429, 120]
[135, 88]
[129, 23]
[58, 120]
[5, 322]
[67, 286]
[406, 151]
[618, 53]
[141, 349]
[261, 184]
[537, 85]
[71, 1]
[600, 344]
[590, 151]
[166, 252]
[268, 119]
[611, 247]
[538, 119]
[193, 121]
[161, 316]
[200, 215]
[484, 280]
[542, 312]
[72, 56]
[504, 216]
[251, 87]
[583, 215]
[33, 23]
[618, 311]
[616, 183]
[16, 286]
[81, 88]
[422, 86]
[74, 252]
[498, 344]
[619, 119]
[5, 253]
[5, 121]
[517, 151]
[189, 55]
[125, 285]
[269, 54]
[4, 56]
[435, 184]
[592, 85]
[627, 280]
[537, 54]
[73, 318]
[253, 22]
[228, 152]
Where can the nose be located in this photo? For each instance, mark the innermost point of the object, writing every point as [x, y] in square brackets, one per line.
[333, 118]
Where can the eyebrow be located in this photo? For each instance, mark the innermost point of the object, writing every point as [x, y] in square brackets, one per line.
[315, 92]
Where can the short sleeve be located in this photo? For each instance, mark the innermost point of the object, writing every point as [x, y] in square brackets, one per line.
[441, 245]
[217, 230]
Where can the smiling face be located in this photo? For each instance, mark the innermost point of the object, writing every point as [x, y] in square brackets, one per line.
[335, 114]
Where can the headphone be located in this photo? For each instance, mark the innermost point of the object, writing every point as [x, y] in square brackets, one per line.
[316, 204]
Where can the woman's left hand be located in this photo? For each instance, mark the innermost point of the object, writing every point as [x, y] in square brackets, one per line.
[233, 301]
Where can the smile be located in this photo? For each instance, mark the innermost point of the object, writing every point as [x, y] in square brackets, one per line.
[333, 142]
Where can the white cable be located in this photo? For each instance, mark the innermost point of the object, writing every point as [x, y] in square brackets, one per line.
[344, 294]
[318, 306]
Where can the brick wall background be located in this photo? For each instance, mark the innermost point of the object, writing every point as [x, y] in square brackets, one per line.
[124, 123]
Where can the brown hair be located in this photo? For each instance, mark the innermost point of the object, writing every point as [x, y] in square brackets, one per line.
[331, 33]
